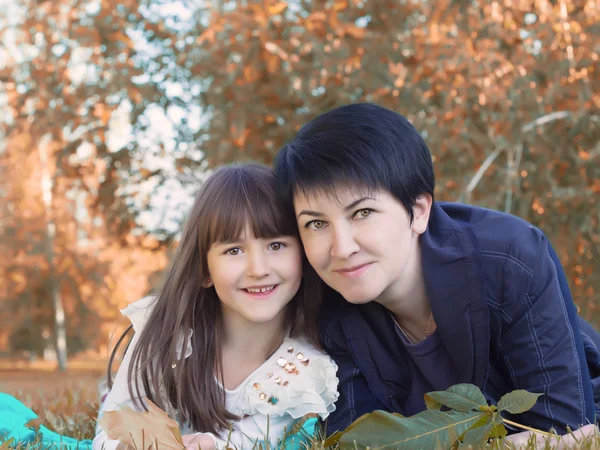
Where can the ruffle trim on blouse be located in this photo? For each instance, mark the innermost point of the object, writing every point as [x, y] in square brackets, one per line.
[139, 312]
[297, 380]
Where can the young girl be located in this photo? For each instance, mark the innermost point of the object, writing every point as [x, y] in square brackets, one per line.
[229, 348]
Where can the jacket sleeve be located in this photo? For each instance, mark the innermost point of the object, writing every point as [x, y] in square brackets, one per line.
[355, 397]
[541, 344]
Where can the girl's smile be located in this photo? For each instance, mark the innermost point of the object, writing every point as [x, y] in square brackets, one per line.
[255, 278]
[261, 291]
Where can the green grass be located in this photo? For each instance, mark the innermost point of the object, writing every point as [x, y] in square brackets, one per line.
[72, 412]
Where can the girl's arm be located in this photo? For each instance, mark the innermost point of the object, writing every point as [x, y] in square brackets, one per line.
[138, 313]
[204, 441]
[118, 395]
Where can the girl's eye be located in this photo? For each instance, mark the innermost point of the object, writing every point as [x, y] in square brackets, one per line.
[362, 213]
[276, 246]
[315, 225]
[234, 251]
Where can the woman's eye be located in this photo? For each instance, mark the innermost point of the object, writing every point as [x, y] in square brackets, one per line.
[362, 213]
[315, 224]
[276, 246]
[233, 251]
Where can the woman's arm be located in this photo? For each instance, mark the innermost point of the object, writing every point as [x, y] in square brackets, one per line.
[568, 441]
[541, 343]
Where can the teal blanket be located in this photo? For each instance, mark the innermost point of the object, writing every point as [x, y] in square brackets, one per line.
[13, 417]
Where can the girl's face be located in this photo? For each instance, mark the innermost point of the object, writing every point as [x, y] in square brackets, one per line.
[255, 278]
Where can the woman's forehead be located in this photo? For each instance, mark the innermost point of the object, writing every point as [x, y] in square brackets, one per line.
[339, 195]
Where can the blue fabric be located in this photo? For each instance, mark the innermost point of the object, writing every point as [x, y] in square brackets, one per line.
[431, 369]
[578, 325]
[301, 440]
[13, 418]
[503, 311]
[14, 415]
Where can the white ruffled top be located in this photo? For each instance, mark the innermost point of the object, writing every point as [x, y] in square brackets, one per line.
[295, 381]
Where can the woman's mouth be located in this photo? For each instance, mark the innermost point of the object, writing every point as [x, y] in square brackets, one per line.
[354, 272]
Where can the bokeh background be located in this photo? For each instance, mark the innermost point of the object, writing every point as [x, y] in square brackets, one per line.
[112, 113]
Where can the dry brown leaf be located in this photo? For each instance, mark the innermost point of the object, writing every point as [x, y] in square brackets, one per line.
[142, 430]
[7, 445]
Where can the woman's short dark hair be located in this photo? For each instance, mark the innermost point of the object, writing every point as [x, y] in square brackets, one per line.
[360, 145]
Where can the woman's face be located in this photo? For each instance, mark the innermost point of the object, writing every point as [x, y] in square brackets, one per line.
[255, 278]
[362, 245]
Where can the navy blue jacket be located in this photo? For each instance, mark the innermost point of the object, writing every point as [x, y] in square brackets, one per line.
[503, 310]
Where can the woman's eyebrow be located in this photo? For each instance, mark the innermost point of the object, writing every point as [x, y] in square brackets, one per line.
[355, 203]
[310, 213]
[352, 205]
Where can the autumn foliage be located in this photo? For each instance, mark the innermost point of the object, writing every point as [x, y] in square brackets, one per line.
[505, 92]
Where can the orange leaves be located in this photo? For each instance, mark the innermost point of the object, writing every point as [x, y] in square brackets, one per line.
[275, 49]
[458, 71]
[102, 112]
[134, 95]
[278, 8]
[142, 430]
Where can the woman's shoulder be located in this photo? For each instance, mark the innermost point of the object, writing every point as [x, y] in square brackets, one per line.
[297, 380]
[139, 311]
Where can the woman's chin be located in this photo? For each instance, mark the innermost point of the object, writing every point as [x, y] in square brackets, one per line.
[358, 297]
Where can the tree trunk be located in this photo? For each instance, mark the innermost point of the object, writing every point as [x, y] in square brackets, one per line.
[60, 333]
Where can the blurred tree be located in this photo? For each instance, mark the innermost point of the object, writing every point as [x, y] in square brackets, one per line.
[126, 95]
[93, 77]
[90, 271]
[71, 76]
[505, 93]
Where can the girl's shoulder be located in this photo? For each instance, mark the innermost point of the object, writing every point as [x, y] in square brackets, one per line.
[139, 311]
[297, 380]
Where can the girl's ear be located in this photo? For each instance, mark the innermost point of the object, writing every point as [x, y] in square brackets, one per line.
[207, 283]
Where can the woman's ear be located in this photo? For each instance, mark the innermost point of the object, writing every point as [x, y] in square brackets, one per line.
[207, 283]
[421, 212]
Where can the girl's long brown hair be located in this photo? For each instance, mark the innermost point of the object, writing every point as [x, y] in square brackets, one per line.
[230, 198]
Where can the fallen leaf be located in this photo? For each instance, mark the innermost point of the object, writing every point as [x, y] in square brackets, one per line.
[35, 424]
[7, 445]
[142, 430]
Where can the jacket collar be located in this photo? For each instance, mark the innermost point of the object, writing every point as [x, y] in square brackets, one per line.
[455, 284]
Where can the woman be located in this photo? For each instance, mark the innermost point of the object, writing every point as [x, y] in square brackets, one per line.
[432, 294]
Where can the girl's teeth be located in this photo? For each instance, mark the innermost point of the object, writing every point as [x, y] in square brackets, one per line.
[267, 289]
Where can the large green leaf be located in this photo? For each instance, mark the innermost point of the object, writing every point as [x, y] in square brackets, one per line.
[428, 430]
[461, 397]
[335, 437]
[477, 437]
[431, 403]
[517, 402]
[499, 430]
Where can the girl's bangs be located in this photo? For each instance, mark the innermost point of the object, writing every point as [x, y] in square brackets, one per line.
[248, 200]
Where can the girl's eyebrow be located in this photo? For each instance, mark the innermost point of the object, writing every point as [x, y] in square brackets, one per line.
[229, 242]
[347, 208]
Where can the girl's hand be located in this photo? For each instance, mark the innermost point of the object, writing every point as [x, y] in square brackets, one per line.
[196, 441]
